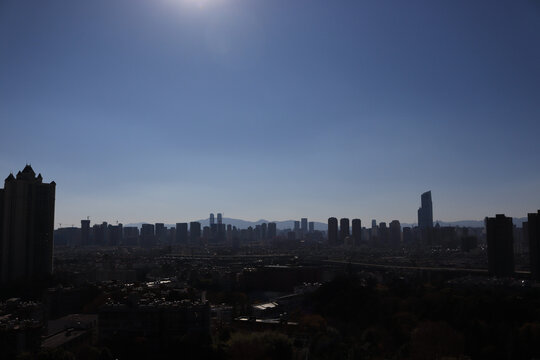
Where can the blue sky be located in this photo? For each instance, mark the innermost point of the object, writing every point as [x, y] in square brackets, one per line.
[166, 110]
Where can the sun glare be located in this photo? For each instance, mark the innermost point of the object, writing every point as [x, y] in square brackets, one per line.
[197, 4]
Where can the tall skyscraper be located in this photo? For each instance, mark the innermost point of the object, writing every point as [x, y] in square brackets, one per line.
[26, 227]
[296, 226]
[356, 231]
[383, 233]
[272, 230]
[311, 226]
[160, 231]
[332, 231]
[212, 221]
[220, 235]
[85, 232]
[500, 243]
[264, 231]
[374, 231]
[395, 233]
[97, 234]
[104, 233]
[195, 231]
[425, 212]
[343, 229]
[181, 233]
[206, 233]
[534, 244]
[148, 235]
[115, 234]
[304, 225]
[130, 235]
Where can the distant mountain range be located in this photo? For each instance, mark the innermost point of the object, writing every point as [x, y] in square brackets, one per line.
[289, 224]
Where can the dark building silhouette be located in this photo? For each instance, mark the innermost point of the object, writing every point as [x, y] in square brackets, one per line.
[161, 231]
[148, 237]
[206, 233]
[101, 233]
[195, 231]
[257, 232]
[374, 231]
[85, 232]
[105, 231]
[220, 229]
[304, 225]
[407, 235]
[96, 234]
[212, 221]
[26, 227]
[115, 235]
[332, 231]
[181, 233]
[264, 231]
[343, 229]
[130, 236]
[384, 235]
[533, 230]
[425, 212]
[147, 230]
[500, 243]
[229, 233]
[296, 226]
[395, 233]
[272, 230]
[357, 231]
[311, 226]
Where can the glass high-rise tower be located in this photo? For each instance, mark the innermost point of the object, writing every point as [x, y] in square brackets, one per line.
[425, 213]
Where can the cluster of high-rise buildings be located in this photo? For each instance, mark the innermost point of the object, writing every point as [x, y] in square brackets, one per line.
[148, 235]
[27, 218]
[352, 233]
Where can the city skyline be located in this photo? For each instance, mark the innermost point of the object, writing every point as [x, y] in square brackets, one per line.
[269, 179]
[161, 111]
[118, 219]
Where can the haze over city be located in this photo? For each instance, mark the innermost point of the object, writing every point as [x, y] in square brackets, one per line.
[168, 110]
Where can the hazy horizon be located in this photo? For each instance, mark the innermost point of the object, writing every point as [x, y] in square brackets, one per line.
[229, 220]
